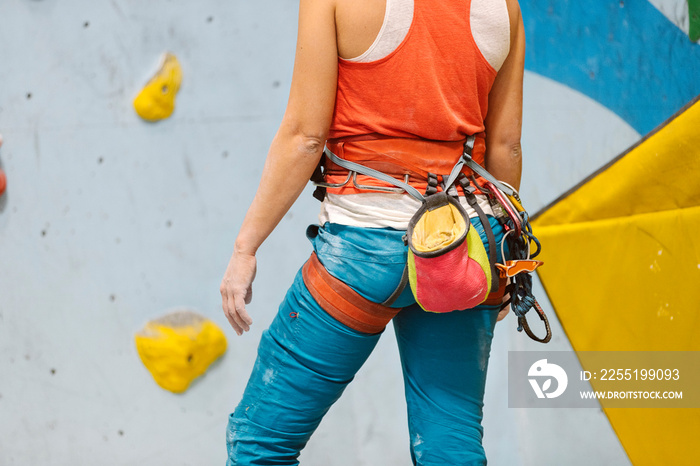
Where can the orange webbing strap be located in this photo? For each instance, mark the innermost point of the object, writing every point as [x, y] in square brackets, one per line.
[496, 297]
[406, 159]
[342, 302]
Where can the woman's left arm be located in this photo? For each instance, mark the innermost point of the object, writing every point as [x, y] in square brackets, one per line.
[294, 153]
[504, 119]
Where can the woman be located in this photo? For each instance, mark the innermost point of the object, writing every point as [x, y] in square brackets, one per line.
[410, 77]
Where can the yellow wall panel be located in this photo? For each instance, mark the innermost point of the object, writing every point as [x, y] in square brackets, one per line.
[622, 269]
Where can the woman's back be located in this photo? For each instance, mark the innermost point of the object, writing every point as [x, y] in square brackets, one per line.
[417, 69]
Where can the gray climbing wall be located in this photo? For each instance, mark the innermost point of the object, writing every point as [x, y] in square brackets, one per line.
[109, 221]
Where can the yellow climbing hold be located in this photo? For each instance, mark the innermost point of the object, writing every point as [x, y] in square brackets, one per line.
[179, 347]
[156, 100]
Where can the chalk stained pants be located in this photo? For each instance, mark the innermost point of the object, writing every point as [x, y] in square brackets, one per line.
[306, 359]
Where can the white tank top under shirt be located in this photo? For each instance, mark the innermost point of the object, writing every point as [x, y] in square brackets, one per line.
[488, 21]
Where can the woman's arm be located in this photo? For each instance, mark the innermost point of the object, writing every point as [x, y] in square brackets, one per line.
[504, 119]
[293, 155]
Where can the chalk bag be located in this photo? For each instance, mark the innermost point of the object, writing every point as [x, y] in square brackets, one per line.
[448, 268]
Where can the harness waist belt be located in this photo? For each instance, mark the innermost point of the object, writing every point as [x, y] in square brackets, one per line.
[408, 160]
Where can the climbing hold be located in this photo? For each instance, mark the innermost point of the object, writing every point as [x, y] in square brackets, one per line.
[156, 100]
[179, 347]
[3, 182]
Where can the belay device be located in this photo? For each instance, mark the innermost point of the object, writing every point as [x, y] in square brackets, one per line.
[448, 268]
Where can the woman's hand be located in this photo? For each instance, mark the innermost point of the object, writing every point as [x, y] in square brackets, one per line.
[237, 290]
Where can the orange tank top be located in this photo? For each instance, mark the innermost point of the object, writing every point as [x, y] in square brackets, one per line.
[433, 86]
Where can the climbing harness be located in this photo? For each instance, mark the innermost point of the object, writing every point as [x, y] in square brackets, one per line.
[448, 267]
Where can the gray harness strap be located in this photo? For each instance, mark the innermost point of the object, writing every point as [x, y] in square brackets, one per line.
[357, 168]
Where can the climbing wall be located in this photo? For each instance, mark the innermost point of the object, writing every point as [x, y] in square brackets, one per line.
[113, 227]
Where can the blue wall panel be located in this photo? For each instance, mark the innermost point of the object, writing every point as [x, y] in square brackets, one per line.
[624, 54]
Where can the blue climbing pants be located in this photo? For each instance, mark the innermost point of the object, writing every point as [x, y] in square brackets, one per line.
[307, 358]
